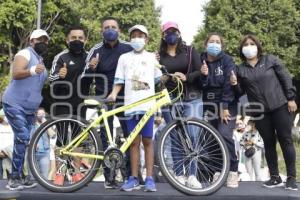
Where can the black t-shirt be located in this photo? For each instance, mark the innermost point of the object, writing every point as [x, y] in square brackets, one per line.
[180, 63]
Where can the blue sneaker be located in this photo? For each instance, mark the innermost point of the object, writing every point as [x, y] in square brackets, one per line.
[131, 184]
[150, 184]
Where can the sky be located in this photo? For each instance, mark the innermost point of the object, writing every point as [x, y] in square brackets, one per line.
[187, 13]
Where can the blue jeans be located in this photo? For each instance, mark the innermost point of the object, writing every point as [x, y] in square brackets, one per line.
[189, 109]
[43, 160]
[226, 130]
[21, 124]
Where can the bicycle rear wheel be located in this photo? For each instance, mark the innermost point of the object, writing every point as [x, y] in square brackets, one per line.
[70, 173]
[191, 152]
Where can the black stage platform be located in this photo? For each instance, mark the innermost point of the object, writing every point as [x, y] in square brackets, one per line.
[95, 190]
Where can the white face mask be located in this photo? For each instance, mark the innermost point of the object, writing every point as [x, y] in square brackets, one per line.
[250, 51]
[137, 43]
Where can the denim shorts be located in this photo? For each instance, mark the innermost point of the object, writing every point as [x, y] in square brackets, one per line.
[147, 130]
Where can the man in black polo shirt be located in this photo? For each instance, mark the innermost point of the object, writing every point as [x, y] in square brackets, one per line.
[102, 61]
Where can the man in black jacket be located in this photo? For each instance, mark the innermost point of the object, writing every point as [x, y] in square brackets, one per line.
[66, 69]
[101, 63]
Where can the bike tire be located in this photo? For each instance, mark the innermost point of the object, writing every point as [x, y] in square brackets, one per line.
[169, 171]
[88, 176]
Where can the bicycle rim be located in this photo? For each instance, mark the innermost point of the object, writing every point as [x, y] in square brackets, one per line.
[66, 173]
[191, 155]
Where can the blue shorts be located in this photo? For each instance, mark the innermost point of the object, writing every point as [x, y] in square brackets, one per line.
[147, 130]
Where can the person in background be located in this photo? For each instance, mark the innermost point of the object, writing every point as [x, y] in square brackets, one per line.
[182, 61]
[267, 83]
[220, 103]
[43, 147]
[6, 146]
[102, 62]
[137, 72]
[22, 98]
[237, 135]
[252, 139]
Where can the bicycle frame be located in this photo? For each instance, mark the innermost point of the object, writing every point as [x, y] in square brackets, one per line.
[163, 98]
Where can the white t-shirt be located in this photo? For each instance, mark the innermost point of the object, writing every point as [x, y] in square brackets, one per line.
[25, 53]
[7, 136]
[139, 72]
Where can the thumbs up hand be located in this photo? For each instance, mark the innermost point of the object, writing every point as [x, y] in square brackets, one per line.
[233, 79]
[63, 71]
[39, 68]
[94, 62]
[204, 69]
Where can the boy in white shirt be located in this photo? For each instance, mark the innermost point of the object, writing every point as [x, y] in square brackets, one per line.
[137, 72]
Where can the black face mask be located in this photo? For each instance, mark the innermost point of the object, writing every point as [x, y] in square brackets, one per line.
[76, 46]
[41, 48]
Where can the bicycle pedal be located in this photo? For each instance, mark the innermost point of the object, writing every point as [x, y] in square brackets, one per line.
[59, 179]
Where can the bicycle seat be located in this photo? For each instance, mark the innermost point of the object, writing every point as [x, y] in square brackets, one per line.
[92, 103]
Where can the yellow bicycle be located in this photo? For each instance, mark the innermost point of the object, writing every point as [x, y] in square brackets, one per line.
[186, 147]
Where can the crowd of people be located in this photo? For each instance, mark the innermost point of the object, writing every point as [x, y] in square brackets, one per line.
[126, 72]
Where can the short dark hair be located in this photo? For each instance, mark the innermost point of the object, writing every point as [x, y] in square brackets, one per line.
[217, 34]
[255, 40]
[109, 18]
[75, 27]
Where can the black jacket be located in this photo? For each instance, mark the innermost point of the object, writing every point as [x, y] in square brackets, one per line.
[106, 68]
[267, 83]
[75, 66]
[188, 63]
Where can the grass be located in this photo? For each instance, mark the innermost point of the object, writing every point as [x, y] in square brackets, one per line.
[281, 163]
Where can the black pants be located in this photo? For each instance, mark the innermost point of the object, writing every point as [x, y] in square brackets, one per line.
[104, 139]
[278, 125]
[61, 110]
[226, 130]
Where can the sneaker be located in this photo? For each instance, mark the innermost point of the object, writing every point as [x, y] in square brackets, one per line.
[28, 183]
[59, 179]
[77, 177]
[111, 185]
[233, 180]
[291, 184]
[193, 182]
[180, 179]
[131, 184]
[216, 176]
[275, 181]
[15, 184]
[149, 184]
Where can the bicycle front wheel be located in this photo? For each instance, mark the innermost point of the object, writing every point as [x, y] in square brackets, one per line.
[193, 157]
[63, 173]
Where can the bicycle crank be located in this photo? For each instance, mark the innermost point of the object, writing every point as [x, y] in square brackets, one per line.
[113, 157]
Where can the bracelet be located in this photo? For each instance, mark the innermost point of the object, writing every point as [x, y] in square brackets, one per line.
[32, 70]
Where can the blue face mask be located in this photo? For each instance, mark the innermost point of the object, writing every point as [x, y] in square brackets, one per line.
[213, 49]
[171, 38]
[110, 35]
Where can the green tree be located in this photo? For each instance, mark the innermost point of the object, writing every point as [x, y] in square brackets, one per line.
[18, 19]
[275, 22]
